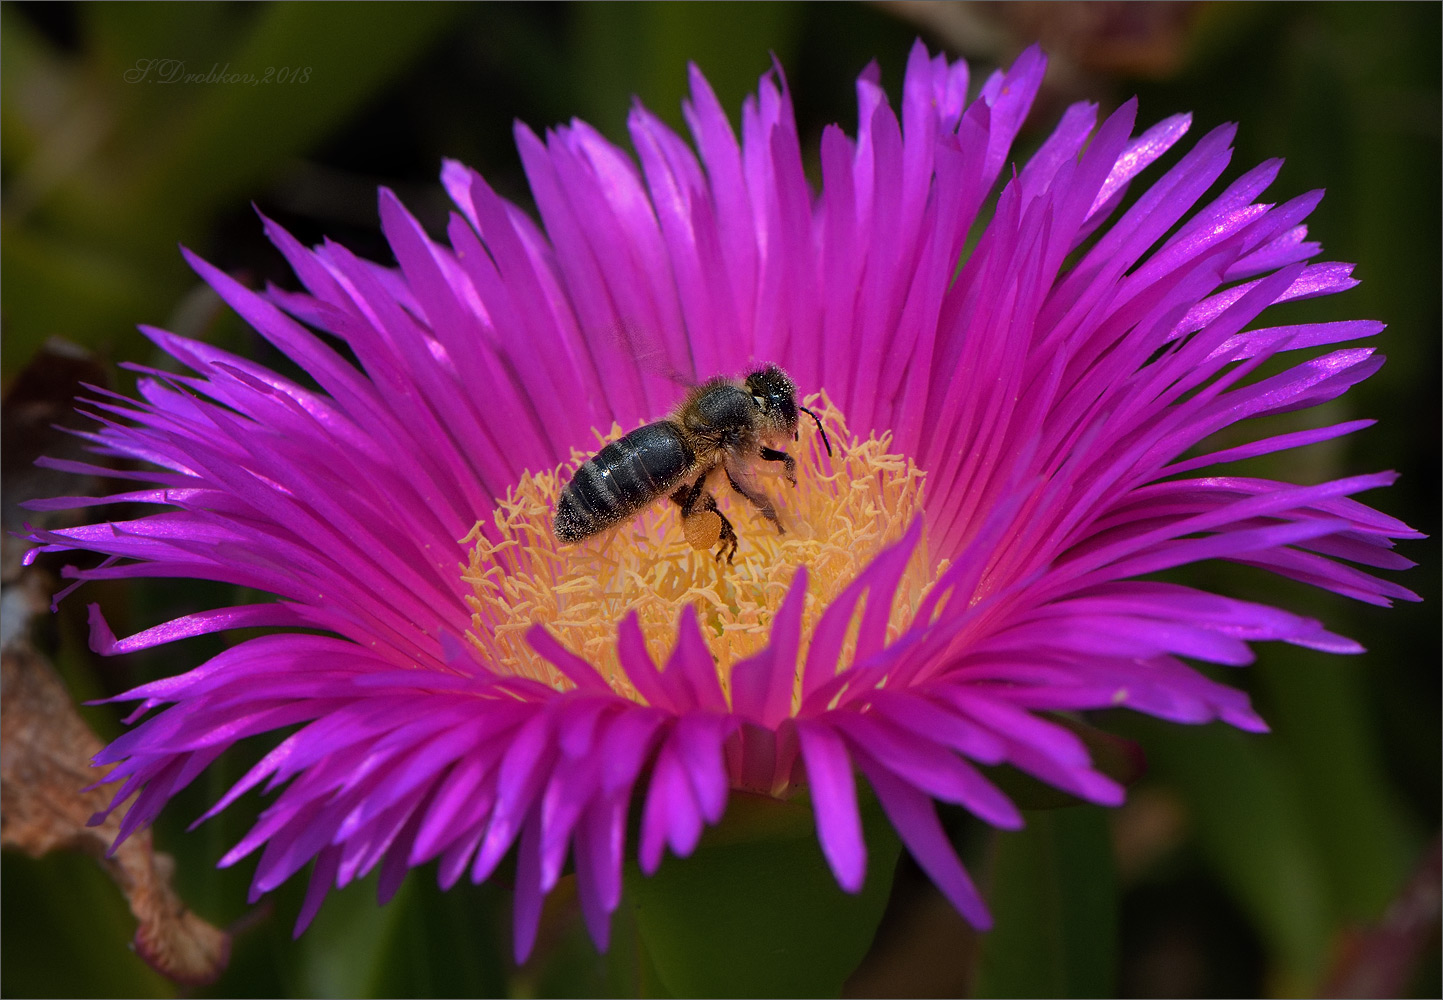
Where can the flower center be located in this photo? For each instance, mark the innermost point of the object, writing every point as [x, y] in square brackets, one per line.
[845, 508]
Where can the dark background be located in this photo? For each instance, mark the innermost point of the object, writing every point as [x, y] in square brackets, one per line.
[1242, 865]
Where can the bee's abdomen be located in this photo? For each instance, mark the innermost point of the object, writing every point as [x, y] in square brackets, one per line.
[621, 479]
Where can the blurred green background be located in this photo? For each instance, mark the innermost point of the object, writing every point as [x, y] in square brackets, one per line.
[1241, 866]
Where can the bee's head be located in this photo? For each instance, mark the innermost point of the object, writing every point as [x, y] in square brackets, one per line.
[776, 397]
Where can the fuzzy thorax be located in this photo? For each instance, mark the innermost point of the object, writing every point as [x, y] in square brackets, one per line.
[845, 509]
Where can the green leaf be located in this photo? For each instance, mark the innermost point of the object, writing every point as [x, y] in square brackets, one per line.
[1119, 758]
[641, 50]
[68, 932]
[91, 227]
[343, 951]
[445, 944]
[1255, 832]
[314, 65]
[1319, 712]
[424, 942]
[67, 289]
[755, 911]
[1054, 906]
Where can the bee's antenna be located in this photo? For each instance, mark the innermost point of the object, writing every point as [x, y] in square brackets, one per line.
[822, 430]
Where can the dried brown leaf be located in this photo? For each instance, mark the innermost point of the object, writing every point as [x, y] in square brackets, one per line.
[45, 752]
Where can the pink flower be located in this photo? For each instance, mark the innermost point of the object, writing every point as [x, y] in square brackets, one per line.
[1016, 456]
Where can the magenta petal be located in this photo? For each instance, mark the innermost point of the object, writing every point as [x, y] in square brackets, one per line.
[566, 795]
[834, 801]
[103, 641]
[528, 890]
[578, 671]
[1147, 148]
[883, 576]
[915, 819]
[691, 665]
[929, 768]
[320, 884]
[641, 669]
[748, 684]
[396, 863]
[762, 685]
[624, 750]
[698, 738]
[878, 582]
[598, 866]
[522, 772]
[947, 728]
[671, 816]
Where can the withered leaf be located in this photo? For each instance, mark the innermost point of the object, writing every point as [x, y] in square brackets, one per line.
[45, 752]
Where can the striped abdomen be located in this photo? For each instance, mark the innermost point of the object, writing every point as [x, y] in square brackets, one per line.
[622, 478]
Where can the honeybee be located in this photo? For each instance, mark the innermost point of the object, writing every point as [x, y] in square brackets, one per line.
[727, 425]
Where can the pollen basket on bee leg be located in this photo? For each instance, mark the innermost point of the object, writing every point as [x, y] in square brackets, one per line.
[702, 530]
[845, 508]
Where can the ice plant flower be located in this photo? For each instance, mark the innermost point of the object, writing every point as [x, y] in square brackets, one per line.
[1017, 431]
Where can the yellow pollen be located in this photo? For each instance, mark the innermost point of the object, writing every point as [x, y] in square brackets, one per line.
[844, 510]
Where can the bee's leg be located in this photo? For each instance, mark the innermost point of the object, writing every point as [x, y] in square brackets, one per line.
[729, 540]
[758, 500]
[693, 500]
[788, 462]
[685, 496]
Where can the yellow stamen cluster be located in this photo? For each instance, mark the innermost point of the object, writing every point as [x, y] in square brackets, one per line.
[844, 510]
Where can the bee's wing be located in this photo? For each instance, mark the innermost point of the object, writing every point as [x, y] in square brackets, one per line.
[758, 481]
[651, 356]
